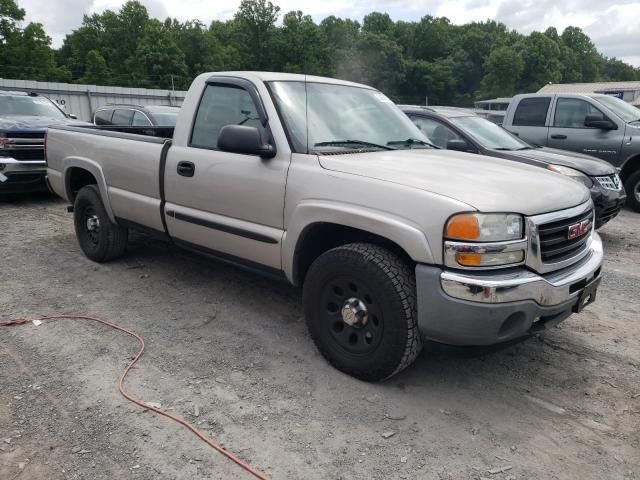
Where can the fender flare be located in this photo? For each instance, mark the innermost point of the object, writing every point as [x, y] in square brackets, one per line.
[94, 169]
[406, 234]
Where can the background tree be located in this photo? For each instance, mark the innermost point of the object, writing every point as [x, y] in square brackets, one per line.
[503, 68]
[409, 61]
[255, 31]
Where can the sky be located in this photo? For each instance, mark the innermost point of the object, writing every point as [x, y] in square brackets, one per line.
[611, 24]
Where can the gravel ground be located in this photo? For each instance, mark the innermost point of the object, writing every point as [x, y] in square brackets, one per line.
[229, 350]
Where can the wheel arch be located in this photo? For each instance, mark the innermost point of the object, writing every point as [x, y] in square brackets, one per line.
[79, 172]
[307, 240]
[630, 166]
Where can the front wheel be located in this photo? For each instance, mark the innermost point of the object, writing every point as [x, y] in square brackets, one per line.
[632, 186]
[360, 306]
[100, 239]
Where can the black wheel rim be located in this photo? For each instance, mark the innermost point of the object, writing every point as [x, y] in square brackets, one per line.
[92, 225]
[351, 315]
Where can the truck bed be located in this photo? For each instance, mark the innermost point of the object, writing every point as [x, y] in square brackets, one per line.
[126, 159]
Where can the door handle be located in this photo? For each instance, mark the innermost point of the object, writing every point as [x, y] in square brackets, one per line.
[559, 137]
[186, 169]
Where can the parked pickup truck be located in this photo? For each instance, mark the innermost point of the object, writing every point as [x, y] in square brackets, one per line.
[328, 184]
[600, 125]
[24, 119]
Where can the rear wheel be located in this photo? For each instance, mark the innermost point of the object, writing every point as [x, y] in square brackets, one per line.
[100, 239]
[632, 186]
[360, 306]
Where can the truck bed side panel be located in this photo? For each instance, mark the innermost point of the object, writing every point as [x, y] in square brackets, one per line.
[128, 163]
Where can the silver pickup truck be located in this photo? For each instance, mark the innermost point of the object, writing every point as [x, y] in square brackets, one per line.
[328, 184]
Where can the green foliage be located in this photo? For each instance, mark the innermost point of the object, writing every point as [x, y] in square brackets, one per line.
[503, 67]
[10, 15]
[449, 64]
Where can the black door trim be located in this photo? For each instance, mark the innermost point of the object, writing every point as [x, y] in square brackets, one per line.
[223, 228]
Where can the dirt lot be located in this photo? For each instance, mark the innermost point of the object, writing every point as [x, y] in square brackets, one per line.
[229, 350]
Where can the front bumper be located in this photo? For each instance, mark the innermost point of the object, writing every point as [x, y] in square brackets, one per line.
[607, 203]
[485, 308]
[22, 176]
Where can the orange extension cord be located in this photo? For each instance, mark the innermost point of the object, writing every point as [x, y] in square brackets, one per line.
[131, 398]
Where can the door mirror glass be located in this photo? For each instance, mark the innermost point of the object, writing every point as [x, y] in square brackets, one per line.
[458, 145]
[597, 120]
[243, 139]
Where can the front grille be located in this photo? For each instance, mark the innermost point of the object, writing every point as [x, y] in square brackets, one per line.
[555, 244]
[25, 134]
[24, 153]
[610, 182]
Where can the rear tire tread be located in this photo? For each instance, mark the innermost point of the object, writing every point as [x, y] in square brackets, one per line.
[115, 237]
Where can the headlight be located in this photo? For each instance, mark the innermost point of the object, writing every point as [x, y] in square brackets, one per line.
[573, 173]
[484, 227]
[489, 240]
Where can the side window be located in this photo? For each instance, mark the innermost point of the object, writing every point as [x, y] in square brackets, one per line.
[121, 117]
[220, 106]
[438, 133]
[103, 117]
[140, 119]
[532, 112]
[571, 112]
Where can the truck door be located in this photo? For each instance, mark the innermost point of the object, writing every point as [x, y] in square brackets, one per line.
[568, 132]
[226, 203]
[530, 119]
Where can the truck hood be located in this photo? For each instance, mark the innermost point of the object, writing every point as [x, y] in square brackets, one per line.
[544, 156]
[486, 184]
[32, 123]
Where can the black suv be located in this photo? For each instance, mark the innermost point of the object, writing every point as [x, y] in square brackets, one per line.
[136, 115]
[459, 129]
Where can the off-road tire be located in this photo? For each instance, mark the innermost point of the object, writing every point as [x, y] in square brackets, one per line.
[109, 240]
[386, 285]
[631, 186]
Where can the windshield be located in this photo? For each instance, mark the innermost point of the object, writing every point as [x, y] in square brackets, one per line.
[342, 117]
[624, 110]
[488, 134]
[165, 119]
[29, 106]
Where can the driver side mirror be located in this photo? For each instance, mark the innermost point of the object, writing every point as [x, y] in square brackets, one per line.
[596, 120]
[244, 139]
[72, 116]
[458, 145]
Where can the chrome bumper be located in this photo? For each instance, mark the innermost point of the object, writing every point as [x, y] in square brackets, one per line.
[11, 165]
[520, 284]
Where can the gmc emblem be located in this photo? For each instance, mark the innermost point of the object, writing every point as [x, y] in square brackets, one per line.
[579, 229]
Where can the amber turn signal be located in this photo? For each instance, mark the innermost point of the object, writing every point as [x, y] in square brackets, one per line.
[464, 227]
[469, 259]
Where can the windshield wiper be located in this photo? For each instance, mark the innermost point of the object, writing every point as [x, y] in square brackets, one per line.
[411, 141]
[352, 142]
